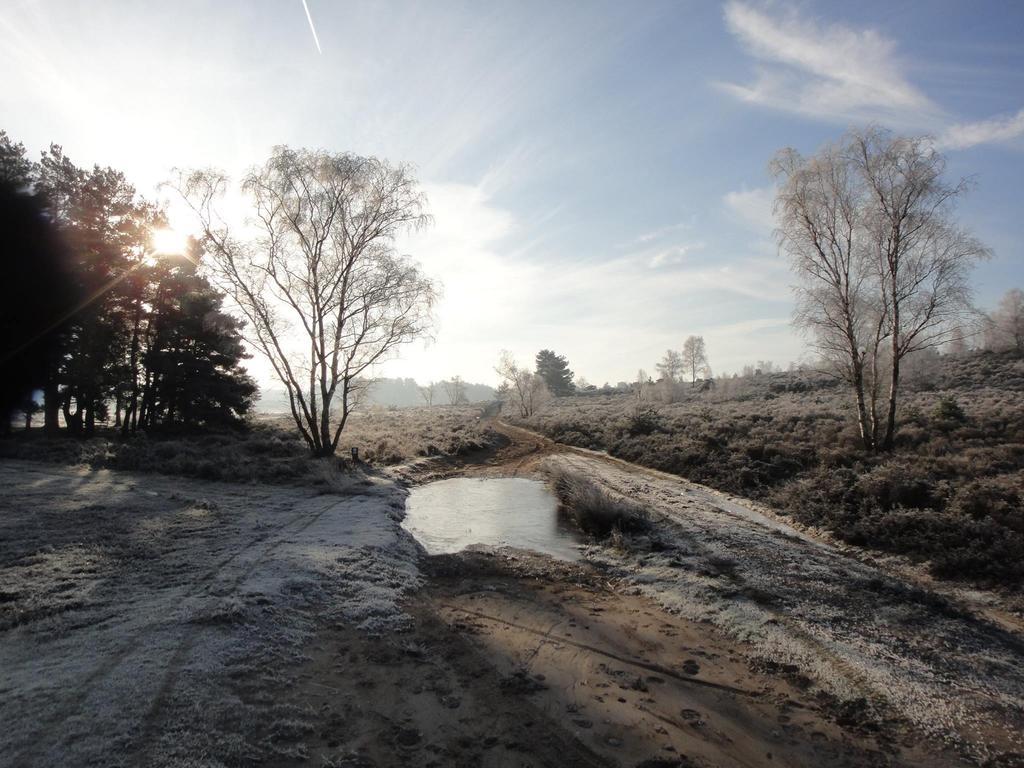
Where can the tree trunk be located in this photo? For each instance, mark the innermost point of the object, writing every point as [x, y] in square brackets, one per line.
[862, 412]
[890, 420]
[894, 379]
[73, 419]
[133, 400]
[51, 405]
[90, 417]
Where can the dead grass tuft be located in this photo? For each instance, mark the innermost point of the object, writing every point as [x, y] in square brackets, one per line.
[593, 509]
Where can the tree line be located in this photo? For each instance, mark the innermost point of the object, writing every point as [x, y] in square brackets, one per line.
[106, 328]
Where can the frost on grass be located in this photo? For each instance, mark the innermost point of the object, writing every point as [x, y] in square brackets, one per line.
[813, 613]
[148, 620]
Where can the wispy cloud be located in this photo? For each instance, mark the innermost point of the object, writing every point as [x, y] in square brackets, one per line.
[964, 135]
[840, 73]
[659, 233]
[830, 71]
[676, 254]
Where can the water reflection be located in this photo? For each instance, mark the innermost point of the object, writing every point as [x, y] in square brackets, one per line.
[450, 515]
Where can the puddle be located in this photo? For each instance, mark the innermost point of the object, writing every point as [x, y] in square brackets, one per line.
[451, 515]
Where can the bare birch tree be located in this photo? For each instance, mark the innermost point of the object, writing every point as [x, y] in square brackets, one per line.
[695, 356]
[1006, 325]
[819, 208]
[427, 393]
[922, 258]
[316, 275]
[641, 388]
[883, 268]
[455, 390]
[525, 389]
[671, 365]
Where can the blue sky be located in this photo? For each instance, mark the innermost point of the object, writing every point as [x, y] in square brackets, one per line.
[597, 171]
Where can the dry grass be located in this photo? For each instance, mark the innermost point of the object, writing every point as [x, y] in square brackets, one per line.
[593, 509]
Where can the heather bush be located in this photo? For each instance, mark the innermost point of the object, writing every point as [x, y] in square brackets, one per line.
[949, 494]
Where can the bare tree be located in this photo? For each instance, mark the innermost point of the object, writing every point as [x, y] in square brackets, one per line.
[695, 357]
[316, 276]
[427, 393]
[455, 389]
[883, 271]
[671, 365]
[642, 387]
[670, 370]
[818, 208]
[923, 259]
[525, 389]
[1007, 323]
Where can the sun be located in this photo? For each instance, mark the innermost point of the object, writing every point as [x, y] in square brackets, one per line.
[168, 241]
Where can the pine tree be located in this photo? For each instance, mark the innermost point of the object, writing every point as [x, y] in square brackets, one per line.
[193, 355]
[554, 369]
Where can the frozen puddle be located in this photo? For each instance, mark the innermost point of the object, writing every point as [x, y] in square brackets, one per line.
[451, 515]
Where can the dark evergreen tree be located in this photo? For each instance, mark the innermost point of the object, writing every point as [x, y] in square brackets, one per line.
[554, 369]
[193, 354]
[37, 295]
[119, 327]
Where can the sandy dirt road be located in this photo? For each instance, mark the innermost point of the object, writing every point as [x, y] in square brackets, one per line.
[147, 620]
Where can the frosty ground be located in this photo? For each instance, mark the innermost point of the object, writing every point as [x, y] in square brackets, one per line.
[149, 620]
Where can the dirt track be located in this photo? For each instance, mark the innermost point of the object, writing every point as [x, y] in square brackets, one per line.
[878, 652]
[154, 621]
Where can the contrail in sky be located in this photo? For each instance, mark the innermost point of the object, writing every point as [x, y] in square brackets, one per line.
[312, 28]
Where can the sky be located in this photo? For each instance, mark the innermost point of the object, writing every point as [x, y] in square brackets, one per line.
[597, 172]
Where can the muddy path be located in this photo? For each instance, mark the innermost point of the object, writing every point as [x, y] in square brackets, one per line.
[894, 672]
[515, 659]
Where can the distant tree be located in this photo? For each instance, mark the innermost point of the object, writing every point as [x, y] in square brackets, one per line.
[427, 393]
[324, 269]
[642, 387]
[694, 357]
[1007, 322]
[524, 389]
[554, 369]
[29, 408]
[883, 269]
[455, 389]
[671, 366]
[957, 346]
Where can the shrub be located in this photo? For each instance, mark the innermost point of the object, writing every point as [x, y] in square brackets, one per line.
[948, 410]
[645, 420]
[593, 510]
